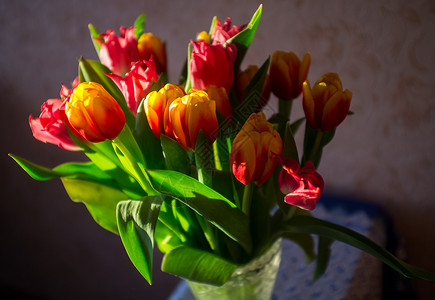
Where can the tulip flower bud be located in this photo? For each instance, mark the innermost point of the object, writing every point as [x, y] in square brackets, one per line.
[151, 45]
[203, 36]
[243, 80]
[287, 73]
[212, 65]
[50, 126]
[221, 33]
[118, 52]
[190, 114]
[94, 113]
[253, 150]
[136, 83]
[326, 105]
[220, 96]
[157, 108]
[302, 186]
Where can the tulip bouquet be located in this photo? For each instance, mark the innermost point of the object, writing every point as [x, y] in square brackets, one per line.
[196, 167]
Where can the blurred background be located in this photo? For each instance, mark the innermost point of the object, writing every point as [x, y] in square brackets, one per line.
[383, 50]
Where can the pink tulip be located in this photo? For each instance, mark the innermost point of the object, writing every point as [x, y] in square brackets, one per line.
[117, 53]
[50, 126]
[302, 186]
[136, 84]
[66, 92]
[221, 33]
[212, 65]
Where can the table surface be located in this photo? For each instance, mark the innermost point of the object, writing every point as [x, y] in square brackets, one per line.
[351, 273]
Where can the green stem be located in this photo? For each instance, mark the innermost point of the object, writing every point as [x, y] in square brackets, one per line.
[139, 174]
[285, 107]
[314, 149]
[246, 201]
[217, 160]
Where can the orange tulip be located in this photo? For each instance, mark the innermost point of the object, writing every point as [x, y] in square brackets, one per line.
[220, 96]
[326, 105]
[287, 73]
[149, 44]
[157, 108]
[94, 113]
[253, 150]
[190, 114]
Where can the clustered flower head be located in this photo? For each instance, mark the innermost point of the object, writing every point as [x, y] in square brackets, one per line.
[136, 63]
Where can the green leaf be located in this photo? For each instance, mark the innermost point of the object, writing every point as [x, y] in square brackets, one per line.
[95, 36]
[203, 158]
[243, 39]
[296, 124]
[188, 83]
[101, 200]
[176, 157]
[324, 252]
[104, 157]
[93, 71]
[148, 143]
[311, 225]
[136, 223]
[197, 265]
[223, 184]
[212, 25]
[139, 26]
[306, 242]
[205, 201]
[290, 149]
[166, 239]
[35, 171]
[251, 95]
[85, 171]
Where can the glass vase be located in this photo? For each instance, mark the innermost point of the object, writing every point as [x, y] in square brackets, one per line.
[252, 281]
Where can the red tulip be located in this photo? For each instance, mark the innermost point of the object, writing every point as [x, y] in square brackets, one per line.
[302, 186]
[221, 33]
[212, 65]
[94, 113]
[136, 83]
[253, 150]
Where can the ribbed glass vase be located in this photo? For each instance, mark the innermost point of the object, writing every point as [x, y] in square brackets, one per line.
[253, 281]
